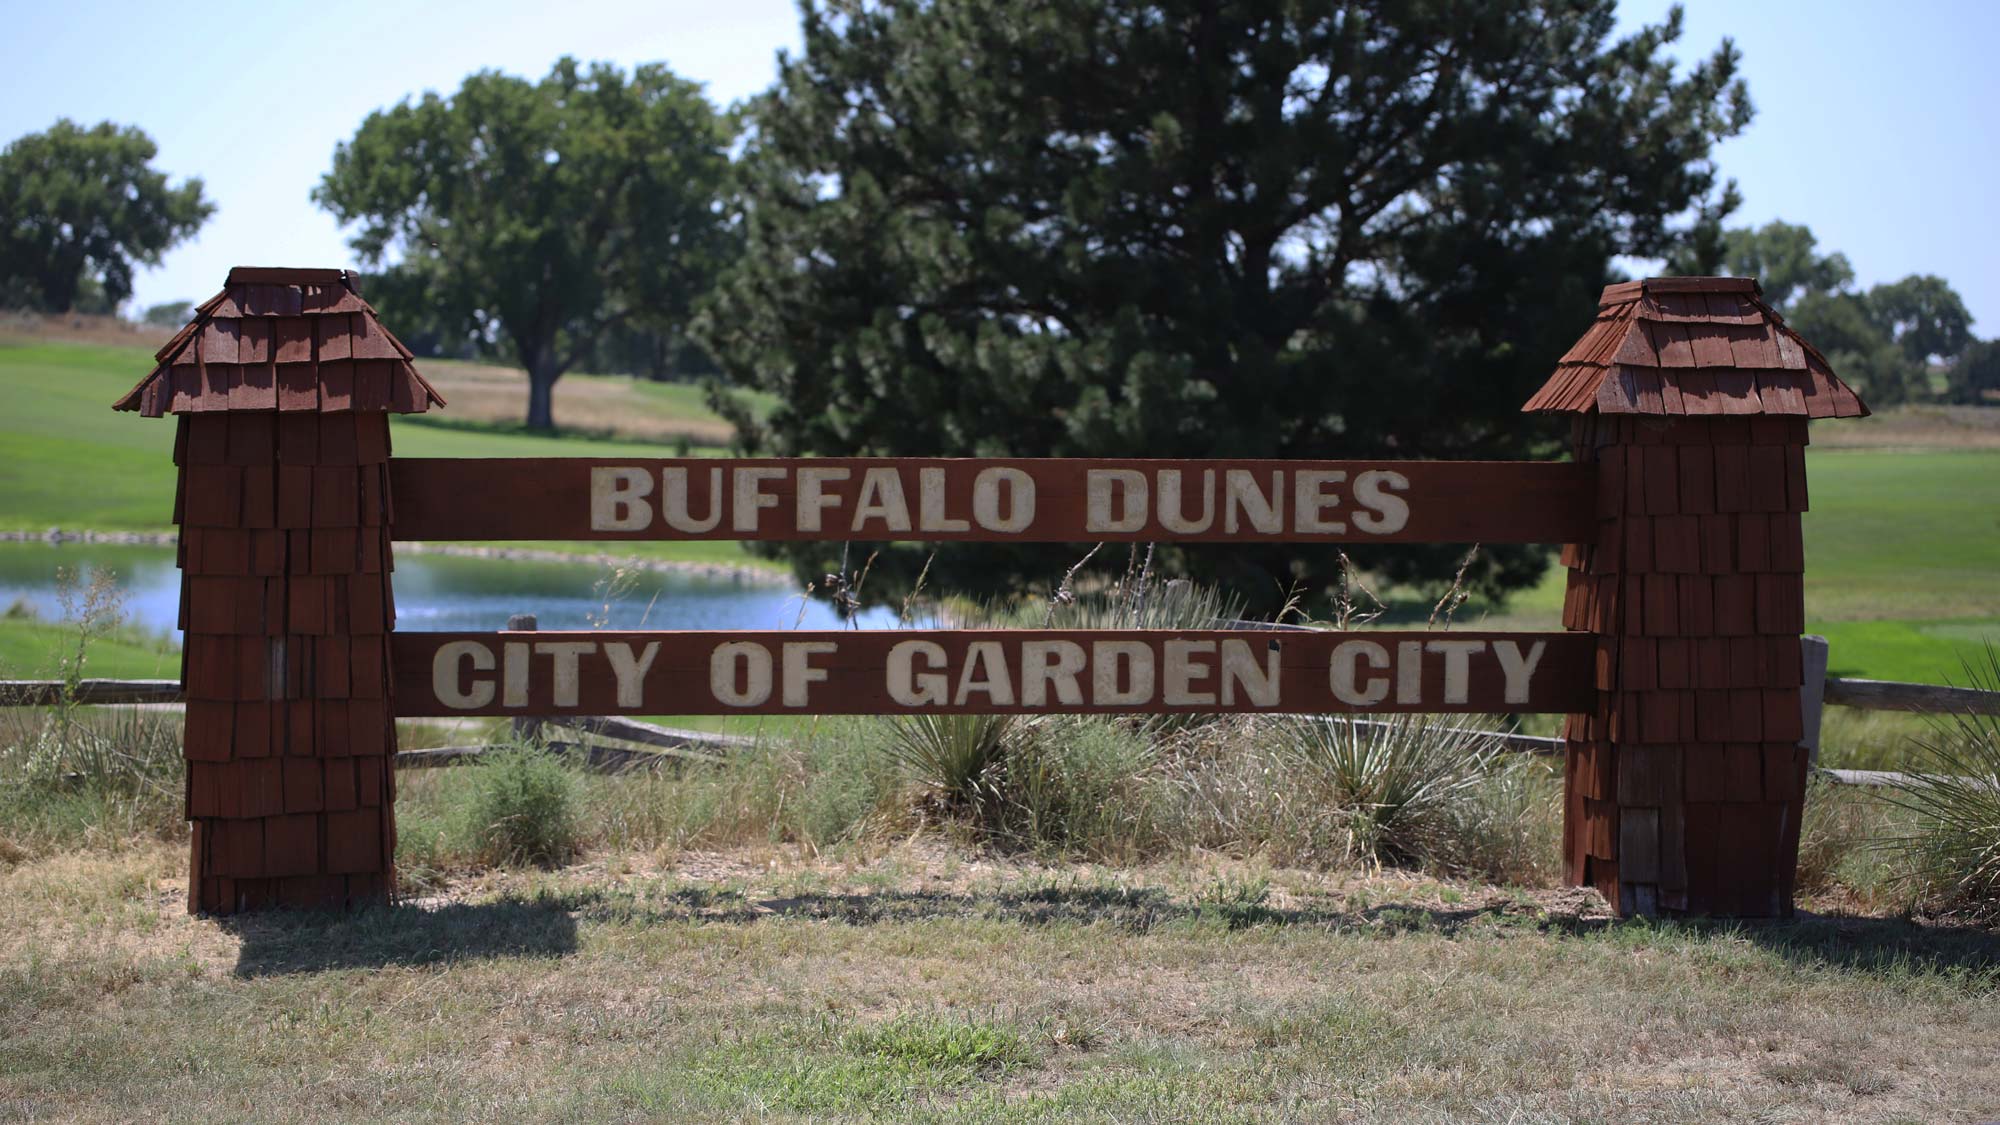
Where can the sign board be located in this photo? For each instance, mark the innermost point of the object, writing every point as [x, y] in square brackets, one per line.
[1065, 500]
[984, 671]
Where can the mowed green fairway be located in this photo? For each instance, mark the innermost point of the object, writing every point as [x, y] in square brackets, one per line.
[1902, 548]
[1903, 560]
[68, 460]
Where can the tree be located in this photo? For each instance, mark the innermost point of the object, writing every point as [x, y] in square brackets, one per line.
[1190, 228]
[1975, 378]
[1786, 261]
[169, 314]
[79, 208]
[543, 215]
[1884, 341]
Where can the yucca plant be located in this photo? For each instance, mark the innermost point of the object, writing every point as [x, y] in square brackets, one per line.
[1952, 850]
[1393, 790]
[956, 757]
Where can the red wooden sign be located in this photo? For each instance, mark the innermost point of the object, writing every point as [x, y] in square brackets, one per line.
[1038, 500]
[983, 671]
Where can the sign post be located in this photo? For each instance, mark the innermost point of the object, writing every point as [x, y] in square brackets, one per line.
[1684, 782]
[283, 387]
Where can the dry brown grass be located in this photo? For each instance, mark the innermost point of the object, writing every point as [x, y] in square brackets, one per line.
[915, 982]
[80, 328]
[606, 405]
[1915, 427]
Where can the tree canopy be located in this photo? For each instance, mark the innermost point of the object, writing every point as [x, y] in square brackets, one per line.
[1884, 341]
[80, 208]
[542, 215]
[1189, 228]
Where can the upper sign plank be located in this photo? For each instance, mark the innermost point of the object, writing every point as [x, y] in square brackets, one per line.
[1021, 499]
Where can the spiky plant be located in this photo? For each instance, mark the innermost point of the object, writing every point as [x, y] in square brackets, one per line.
[1952, 851]
[955, 757]
[1392, 791]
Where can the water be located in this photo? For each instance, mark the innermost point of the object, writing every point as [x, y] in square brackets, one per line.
[440, 593]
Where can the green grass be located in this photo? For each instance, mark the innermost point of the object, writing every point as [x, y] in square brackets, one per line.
[1903, 536]
[68, 460]
[32, 649]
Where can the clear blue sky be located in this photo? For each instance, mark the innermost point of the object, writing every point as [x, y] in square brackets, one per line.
[1875, 122]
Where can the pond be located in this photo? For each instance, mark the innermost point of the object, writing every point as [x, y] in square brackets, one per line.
[441, 593]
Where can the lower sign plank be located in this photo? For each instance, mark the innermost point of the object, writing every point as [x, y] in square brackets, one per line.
[983, 671]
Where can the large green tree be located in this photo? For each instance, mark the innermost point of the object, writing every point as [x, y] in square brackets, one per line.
[1884, 341]
[542, 215]
[1196, 228]
[79, 208]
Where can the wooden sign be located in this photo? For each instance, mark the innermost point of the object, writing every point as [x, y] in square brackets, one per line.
[983, 671]
[1023, 499]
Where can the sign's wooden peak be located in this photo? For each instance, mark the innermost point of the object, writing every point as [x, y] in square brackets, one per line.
[290, 340]
[1693, 346]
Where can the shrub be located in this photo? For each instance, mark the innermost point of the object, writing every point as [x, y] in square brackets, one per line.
[1952, 850]
[1390, 791]
[1078, 786]
[523, 810]
[1506, 826]
[956, 757]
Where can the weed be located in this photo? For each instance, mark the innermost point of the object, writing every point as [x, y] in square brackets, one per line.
[524, 810]
[1953, 848]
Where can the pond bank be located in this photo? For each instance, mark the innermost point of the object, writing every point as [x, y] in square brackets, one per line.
[744, 574]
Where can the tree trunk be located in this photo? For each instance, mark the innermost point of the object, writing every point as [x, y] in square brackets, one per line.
[541, 383]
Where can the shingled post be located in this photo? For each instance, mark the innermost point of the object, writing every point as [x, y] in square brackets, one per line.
[1683, 788]
[283, 384]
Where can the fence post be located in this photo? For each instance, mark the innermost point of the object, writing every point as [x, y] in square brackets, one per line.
[283, 384]
[1683, 787]
[1813, 654]
[527, 728]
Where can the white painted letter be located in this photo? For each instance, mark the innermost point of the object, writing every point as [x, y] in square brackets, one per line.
[1239, 666]
[630, 672]
[986, 499]
[1099, 487]
[1410, 672]
[514, 674]
[750, 496]
[997, 684]
[812, 498]
[1172, 517]
[566, 677]
[930, 497]
[756, 661]
[1050, 662]
[1518, 671]
[1241, 493]
[1309, 504]
[445, 675]
[1457, 666]
[908, 689]
[1389, 513]
[1342, 670]
[674, 500]
[882, 499]
[1104, 659]
[616, 496]
[799, 670]
[1182, 669]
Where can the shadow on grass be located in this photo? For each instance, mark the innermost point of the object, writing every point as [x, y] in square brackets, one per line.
[309, 941]
[1872, 945]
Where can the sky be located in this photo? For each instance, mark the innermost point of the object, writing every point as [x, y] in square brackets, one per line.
[1874, 127]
